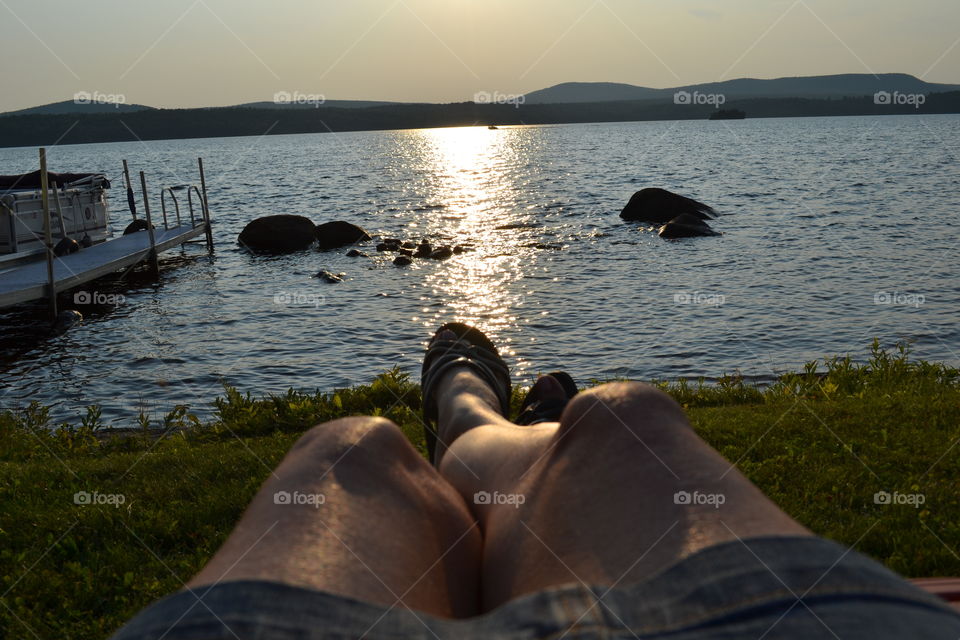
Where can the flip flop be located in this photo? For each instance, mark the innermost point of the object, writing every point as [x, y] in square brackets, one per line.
[534, 411]
[470, 349]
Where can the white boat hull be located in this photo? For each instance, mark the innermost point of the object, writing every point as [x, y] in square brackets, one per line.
[85, 214]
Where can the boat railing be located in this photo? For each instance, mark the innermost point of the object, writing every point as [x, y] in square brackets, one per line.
[79, 218]
[9, 203]
[91, 179]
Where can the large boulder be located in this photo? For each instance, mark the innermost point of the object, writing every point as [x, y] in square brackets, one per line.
[331, 235]
[686, 225]
[659, 206]
[283, 233]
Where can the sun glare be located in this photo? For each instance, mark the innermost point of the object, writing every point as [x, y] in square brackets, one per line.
[470, 172]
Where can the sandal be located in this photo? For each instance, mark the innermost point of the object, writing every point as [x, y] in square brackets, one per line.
[534, 411]
[471, 349]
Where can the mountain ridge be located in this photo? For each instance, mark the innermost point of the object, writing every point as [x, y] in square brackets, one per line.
[161, 124]
[827, 86]
[837, 86]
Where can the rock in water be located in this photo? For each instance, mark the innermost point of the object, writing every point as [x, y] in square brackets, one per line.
[686, 226]
[65, 320]
[332, 278]
[332, 235]
[441, 253]
[356, 253]
[402, 261]
[424, 249]
[660, 206]
[283, 233]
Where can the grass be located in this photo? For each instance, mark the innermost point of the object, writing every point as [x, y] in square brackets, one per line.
[821, 443]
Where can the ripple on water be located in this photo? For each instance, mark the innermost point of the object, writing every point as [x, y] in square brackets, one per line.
[814, 230]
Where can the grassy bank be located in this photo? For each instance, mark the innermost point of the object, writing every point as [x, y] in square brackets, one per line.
[820, 443]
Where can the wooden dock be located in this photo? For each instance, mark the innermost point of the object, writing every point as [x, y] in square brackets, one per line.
[29, 282]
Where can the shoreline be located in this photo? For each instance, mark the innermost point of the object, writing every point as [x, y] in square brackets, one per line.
[224, 122]
[703, 391]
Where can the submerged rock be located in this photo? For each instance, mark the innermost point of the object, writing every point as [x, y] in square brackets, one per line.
[686, 226]
[441, 253]
[518, 225]
[332, 235]
[402, 261]
[660, 206]
[66, 320]
[356, 253]
[277, 234]
[424, 249]
[332, 278]
[544, 246]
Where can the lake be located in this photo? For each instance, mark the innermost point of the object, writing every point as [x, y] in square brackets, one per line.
[836, 231]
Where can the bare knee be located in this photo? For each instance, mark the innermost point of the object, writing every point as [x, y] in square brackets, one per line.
[354, 438]
[624, 413]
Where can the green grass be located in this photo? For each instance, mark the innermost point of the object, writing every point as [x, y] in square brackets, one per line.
[820, 443]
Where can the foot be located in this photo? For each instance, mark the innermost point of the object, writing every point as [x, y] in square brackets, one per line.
[547, 399]
[465, 384]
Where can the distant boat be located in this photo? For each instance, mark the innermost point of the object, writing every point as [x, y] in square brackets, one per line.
[728, 114]
[493, 126]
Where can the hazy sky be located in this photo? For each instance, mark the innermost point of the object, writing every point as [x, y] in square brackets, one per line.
[182, 53]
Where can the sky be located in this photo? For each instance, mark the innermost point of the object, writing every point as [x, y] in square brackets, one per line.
[193, 53]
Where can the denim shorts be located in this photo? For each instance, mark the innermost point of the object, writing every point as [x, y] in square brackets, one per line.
[766, 588]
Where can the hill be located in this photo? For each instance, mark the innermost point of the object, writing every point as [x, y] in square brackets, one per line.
[77, 107]
[167, 124]
[835, 86]
[307, 104]
[74, 107]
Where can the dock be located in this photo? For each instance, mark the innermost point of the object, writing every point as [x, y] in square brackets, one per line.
[29, 282]
[45, 278]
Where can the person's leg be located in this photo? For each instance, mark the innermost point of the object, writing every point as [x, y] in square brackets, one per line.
[620, 489]
[355, 510]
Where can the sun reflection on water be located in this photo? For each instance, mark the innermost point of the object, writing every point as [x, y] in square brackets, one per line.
[469, 174]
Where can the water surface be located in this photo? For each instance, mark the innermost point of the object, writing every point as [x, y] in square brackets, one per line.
[825, 220]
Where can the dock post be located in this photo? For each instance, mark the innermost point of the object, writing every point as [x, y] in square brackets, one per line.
[206, 209]
[154, 261]
[48, 236]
